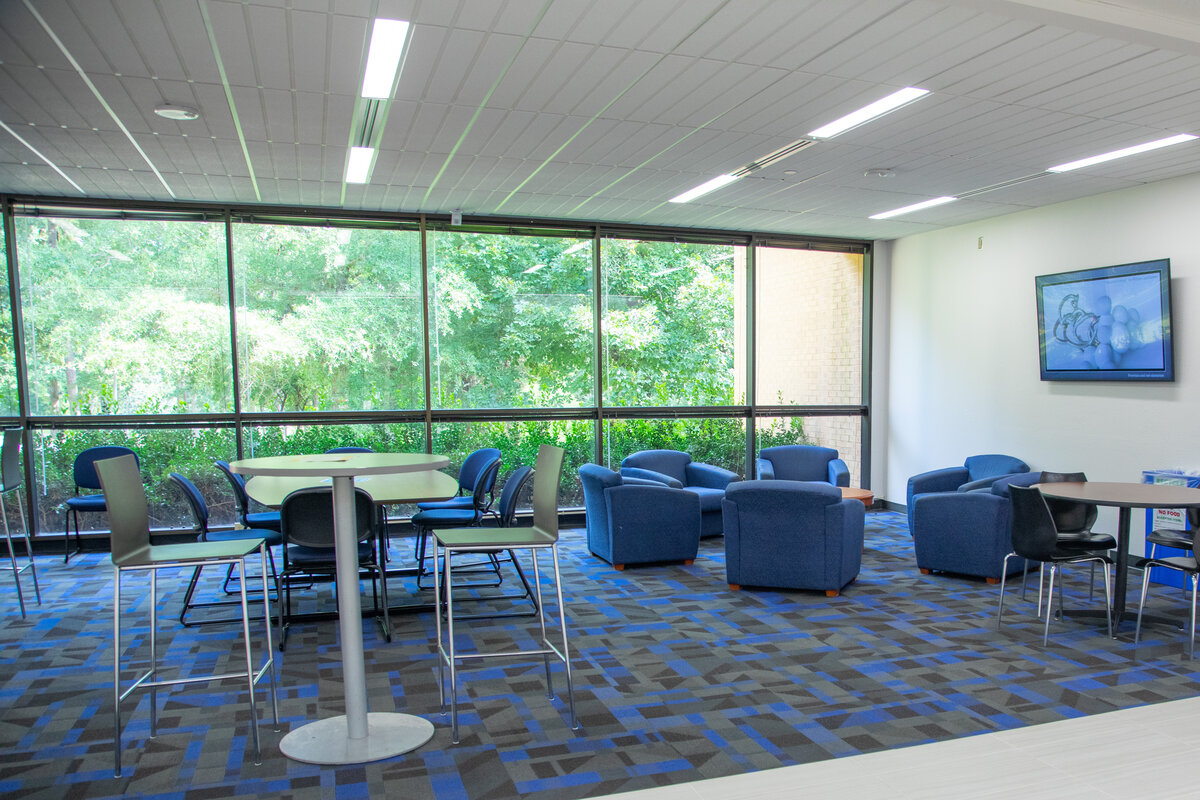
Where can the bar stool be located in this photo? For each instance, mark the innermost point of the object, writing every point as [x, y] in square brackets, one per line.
[131, 551]
[543, 535]
[10, 479]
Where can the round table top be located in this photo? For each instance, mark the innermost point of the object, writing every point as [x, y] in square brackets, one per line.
[339, 465]
[1131, 495]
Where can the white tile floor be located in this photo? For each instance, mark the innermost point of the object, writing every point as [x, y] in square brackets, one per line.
[1145, 753]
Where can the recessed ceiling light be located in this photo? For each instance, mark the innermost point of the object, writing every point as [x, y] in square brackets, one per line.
[1128, 151]
[870, 112]
[880, 172]
[177, 113]
[895, 212]
[383, 57]
[704, 188]
[358, 167]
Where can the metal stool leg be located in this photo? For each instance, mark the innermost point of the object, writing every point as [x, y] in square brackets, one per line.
[566, 648]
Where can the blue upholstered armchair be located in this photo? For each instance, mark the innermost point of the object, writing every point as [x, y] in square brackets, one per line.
[677, 470]
[636, 521]
[801, 462]
[968, 533]
[792, 535]
[979, 472]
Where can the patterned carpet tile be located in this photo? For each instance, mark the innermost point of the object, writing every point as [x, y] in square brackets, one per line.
[677, 678]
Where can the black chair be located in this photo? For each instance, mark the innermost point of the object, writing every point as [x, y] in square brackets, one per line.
[249, 519]
[85, 478]
[1074, 521]
[463, 516]
[1189, 565]
[1174, 537]
[1035, 538]
[10, 479]
[199, 511]
[308, 548]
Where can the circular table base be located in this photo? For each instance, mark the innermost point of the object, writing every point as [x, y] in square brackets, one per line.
[325, 741]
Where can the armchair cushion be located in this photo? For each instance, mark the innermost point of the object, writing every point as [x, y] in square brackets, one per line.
[792, 534]
[651, 476]
[635, 521]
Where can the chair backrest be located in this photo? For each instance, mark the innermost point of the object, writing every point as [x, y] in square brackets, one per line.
[84, 469]
[128, 518]
[10, 459]
[993, 464]
[799, 462]
[512, 493]
[238, 484]
[195, 502]
[485, 485]
[668, 462]
[473, 466]
[349, 450]
[1033, 533]
[306, 516]
[546, 480]
[1069, 515]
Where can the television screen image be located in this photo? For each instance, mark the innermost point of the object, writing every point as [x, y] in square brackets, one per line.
[1108, 323]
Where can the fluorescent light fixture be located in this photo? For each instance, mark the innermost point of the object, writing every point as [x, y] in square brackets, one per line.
[868, 113]
[704, 188]
[534, 268]
[575, 248]
[1128, 151]
[358, 168]
[895, 212]
[383, 58]
[177, 113]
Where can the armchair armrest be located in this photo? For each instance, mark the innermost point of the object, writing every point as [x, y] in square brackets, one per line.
[839, 473]
[650, 475]
[985, 483]
[765, 469]
[709, 476]
[938, 480]
[629, 480]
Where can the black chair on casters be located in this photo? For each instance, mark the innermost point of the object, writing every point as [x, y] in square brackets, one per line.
[86, 478]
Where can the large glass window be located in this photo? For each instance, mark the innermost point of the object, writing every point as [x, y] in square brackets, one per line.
[670, 323]
[124, 316]
[329, 319]
[9, 400]
[512, 321]
[720, 442]
[808, 327]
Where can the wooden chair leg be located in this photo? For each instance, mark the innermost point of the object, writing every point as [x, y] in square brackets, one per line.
[925, 571]
[735, 586]
[687, 562]
[619, 567]
[832, 592]
[992, 581]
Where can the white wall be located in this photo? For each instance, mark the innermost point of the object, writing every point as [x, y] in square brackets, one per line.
[962, 350]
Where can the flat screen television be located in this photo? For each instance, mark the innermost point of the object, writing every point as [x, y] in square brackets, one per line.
[1107, 324]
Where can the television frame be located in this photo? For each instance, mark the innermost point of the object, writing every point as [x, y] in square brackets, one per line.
[1159, 269]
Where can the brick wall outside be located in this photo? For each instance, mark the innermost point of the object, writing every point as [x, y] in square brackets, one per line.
[809, 340]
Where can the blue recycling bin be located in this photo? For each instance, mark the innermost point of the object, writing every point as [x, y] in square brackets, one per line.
[1168, 518]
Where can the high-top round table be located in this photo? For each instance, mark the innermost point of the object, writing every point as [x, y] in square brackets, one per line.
[1125, 496]
[357, 736]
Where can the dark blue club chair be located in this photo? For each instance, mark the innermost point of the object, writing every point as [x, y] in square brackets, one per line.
[638, 521]
[801, 462]
[792, 535]
[978, 472]
[677, 470]
[86, 478]
[968, 533]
